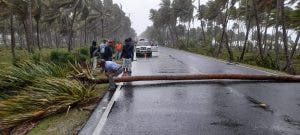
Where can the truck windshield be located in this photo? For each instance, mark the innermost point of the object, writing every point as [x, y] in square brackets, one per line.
[143, 44]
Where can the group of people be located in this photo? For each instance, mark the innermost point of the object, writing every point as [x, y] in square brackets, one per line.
[106, 52]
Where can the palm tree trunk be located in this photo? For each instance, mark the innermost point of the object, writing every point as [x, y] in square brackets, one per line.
[12, 34]
[224, 26]
[71, 30]
[171, 35]
[231, 58]
[56, 40]
[265, 33]
[203, 32]
[85, 40]
[4, 37]
[4, 34]
[188, 35]
[258, 29]
[277, 34]
[20, 38]
[29, 40]
[38, 34]
[248, 23]
[295, 46]
[193, 77]
[246, 37]
[27, 22]
[285, 40]
[289, 65]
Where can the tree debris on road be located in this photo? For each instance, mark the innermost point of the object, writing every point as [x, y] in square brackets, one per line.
[279, 78]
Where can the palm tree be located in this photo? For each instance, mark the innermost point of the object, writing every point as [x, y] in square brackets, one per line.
[201, 12]
[5, 12]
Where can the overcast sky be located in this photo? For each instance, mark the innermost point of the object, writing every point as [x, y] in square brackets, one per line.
[139, 11]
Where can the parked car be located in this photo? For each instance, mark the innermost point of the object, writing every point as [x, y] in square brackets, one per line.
[143, 47]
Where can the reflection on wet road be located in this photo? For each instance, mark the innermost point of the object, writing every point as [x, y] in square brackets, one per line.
[202, 107]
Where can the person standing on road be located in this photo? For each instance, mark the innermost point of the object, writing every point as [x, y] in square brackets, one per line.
[102, 48]
[109, 51]
[112, 69]
[93, 48]
[118, 50]
[127, 55]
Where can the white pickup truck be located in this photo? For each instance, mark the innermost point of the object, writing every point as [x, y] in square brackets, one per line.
[143, 47]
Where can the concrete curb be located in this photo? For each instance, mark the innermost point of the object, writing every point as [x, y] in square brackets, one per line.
[105, 114]
[99, 116]
[91, 124]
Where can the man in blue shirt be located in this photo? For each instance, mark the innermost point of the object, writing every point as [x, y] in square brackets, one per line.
[112, 69]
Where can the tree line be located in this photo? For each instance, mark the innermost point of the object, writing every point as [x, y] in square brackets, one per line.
[37, 24]
[266, 29]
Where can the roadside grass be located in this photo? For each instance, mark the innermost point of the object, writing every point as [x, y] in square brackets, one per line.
[67, 124]
[250, 59]
[62, 124]
[6, 60]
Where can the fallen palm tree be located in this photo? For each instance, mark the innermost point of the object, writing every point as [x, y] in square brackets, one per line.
[280, 78]
[31, 91]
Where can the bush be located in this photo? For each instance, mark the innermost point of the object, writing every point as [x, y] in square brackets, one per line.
[61, 57]
[267, 62]
[36, 57]
[84, 51]
[83, 55]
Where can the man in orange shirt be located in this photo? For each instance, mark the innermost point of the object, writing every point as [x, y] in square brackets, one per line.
[118, 50]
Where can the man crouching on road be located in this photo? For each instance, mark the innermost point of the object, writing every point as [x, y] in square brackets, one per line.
[112, 69]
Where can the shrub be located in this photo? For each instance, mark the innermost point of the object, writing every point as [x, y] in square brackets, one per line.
[36, 57]
[84, 51]
[61, 57]
[82, 55]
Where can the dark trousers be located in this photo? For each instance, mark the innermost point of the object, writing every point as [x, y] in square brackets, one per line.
[112, 84]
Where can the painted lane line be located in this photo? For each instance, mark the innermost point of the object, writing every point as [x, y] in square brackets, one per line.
[104, 116]
[110, 105]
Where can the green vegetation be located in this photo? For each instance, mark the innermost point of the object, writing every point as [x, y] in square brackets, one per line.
[34, 25]
[258, 32]
[36, 86]
[39, 41]
[250, 58]
[34, 90]
[62, 124]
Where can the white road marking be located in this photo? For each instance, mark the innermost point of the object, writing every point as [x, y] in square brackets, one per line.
[104, 116]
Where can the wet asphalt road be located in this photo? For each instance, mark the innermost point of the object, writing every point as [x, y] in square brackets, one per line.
[202, 107]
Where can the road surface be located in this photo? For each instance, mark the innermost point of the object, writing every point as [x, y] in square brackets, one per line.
[202, 107]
